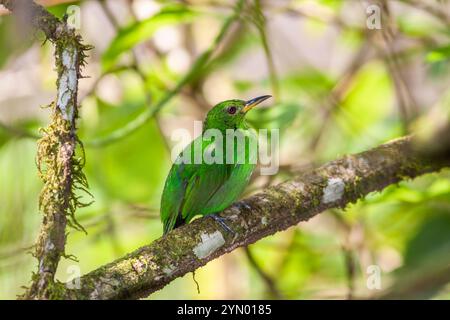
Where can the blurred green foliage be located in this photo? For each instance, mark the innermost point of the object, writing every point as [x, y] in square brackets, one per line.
[138, 32]
[403, 229]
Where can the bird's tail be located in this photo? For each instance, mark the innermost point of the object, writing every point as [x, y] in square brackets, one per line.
[170, 225]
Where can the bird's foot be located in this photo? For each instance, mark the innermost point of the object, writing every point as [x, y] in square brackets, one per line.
[222, 223]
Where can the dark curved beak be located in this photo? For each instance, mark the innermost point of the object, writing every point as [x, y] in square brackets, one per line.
[250, 104]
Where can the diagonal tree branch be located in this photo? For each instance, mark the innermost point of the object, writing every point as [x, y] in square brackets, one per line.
[268, 280]
[334, 185]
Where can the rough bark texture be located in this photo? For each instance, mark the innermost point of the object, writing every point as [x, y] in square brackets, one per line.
[59, 168]
[39, 18]
[185, 249]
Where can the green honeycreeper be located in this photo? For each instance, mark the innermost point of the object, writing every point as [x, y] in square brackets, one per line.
[199, 188]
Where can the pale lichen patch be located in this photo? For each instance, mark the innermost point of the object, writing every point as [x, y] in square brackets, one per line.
[234, 210]
[334, 190]
[95, 293]
[49, 245]
[295, 186]
[168, 270]
[67, 59]
[363, 163]
[104, 286]
[264, 221]
[208, 244]
[139, 266]
[67, 83]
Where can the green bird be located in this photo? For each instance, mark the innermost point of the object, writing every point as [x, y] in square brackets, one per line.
[203, 188]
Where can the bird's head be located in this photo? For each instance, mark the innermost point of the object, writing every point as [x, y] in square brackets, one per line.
[230, 114]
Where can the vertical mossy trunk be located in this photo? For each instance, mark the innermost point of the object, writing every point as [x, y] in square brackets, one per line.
[60, 167]
[60, 156]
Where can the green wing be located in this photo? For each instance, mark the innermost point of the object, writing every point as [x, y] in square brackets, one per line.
[173, 195]
[188, 188]
[231, 189]
[193, 189]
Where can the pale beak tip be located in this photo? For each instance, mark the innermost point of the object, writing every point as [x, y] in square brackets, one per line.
[255, 101]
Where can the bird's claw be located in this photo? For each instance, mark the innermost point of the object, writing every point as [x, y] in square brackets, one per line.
[222, 223]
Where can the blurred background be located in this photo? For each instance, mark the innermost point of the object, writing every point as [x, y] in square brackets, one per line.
[343, 81]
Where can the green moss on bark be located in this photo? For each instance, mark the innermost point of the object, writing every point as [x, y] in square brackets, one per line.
[276, 208]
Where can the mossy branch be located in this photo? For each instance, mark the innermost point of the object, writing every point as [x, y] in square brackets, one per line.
[333, 185]
[60, 168]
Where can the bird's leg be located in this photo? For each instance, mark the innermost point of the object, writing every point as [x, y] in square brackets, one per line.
[222, 223]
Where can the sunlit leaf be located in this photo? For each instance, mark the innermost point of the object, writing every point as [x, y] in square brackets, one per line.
[368, 101]
[431, 241]
[140, 31]
[426, 260]
[130, 169]
[278, 116]
[12, 46]
[60, 10]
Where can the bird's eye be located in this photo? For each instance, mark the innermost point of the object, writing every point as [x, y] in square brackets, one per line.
[232, 110]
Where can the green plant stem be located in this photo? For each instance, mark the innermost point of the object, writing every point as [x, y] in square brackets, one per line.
[261, 25]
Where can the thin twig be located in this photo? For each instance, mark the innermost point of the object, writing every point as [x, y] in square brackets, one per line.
[406, 102]
[18, 132]
[136, 68]
[270, 283]
[438, 12]
[261, 25]
[334, 98]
